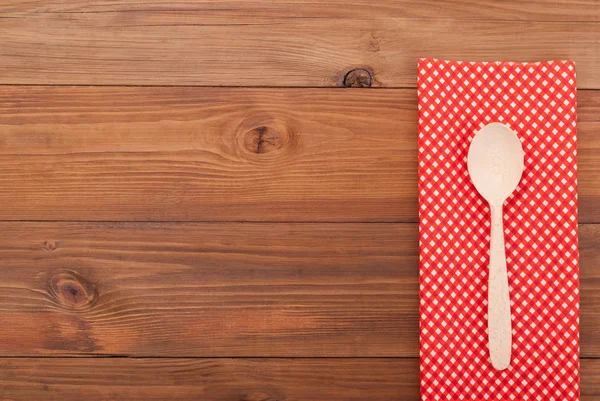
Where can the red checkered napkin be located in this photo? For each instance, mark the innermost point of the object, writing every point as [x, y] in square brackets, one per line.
[537, 101]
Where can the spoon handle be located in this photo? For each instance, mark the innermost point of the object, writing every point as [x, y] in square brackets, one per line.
[499, 325]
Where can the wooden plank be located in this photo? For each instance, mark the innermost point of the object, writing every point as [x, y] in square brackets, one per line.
[227, 289]
[209, 379]
[590, 380]
[222, 379]
[253, 10]
[206, 154]
[118, 45]
[224, 154]
[180, 289]
[588, 155]
[589, 277]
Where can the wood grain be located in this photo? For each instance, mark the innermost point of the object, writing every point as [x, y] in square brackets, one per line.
[203, 154]
[226, 379]
[535, 10]
[235, 45]
[225, 154]
[209, 379]
[589, 281]
[590, 380]
[208, 289]
[226, 289]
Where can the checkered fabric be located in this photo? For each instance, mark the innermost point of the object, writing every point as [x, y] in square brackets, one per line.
[537, 101]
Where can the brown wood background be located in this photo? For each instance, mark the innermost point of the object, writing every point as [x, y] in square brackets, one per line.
[193, 207]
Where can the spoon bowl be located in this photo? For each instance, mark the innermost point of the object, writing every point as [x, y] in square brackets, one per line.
[495, 163]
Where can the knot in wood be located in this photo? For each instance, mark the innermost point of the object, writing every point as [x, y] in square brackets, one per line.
[50, 246]
[73, 291]
[262, 140]
[358, 78]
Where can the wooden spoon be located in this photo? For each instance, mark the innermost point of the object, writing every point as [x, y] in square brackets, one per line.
[495, 163]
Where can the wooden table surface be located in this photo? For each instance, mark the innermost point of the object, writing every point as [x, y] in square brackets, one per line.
[193, 207]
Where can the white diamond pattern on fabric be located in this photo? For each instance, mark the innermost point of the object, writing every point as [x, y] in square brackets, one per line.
[538, 102]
